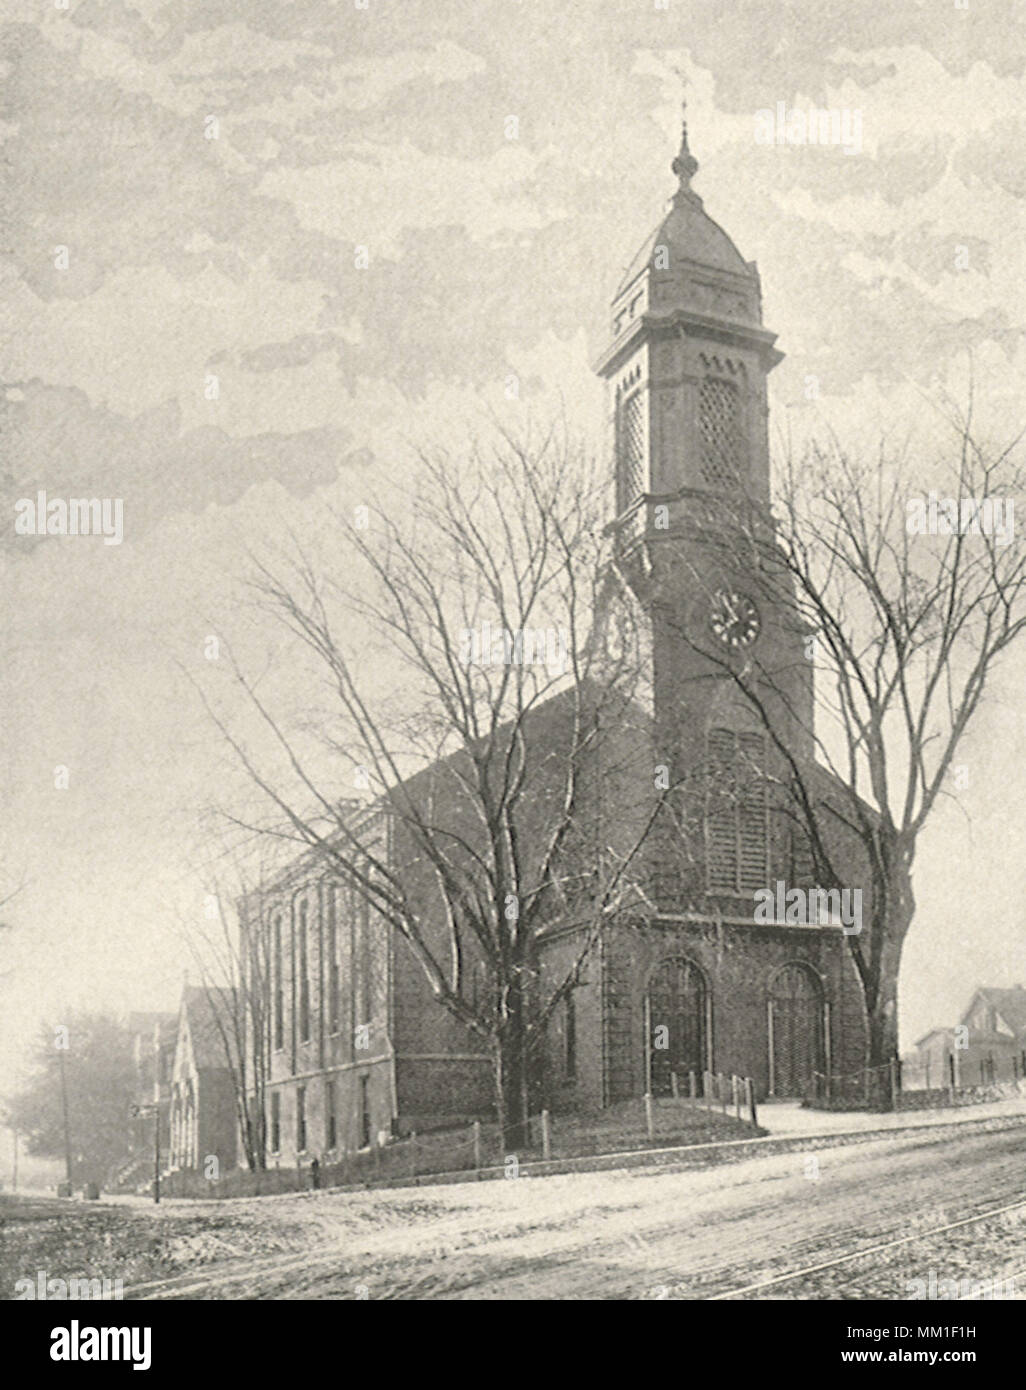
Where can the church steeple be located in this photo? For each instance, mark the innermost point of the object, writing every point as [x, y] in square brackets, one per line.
[685, 165]
[688, 359]
[687, 365]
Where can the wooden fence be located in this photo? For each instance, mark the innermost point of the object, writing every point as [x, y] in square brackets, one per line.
[478, 1146]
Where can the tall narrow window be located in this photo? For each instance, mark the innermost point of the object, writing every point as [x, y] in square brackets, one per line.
[332, 949]
[304, 972]
[630, 450]
[570, 1037]
[275, 1122]
[300, 1118]
[361, 962]
[279, 988]
[720, 433]
[365, 1113]
[737, 813]
[331, 1112]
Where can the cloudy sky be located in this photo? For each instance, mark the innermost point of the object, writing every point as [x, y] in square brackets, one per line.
[213, 347]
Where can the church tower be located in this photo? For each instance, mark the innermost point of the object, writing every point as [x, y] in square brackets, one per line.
[691, 979]
[687, 366]
[687, 362]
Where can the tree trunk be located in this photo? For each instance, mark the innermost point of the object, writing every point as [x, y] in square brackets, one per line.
[890, 928]
[511, 1071]
[883, 1044]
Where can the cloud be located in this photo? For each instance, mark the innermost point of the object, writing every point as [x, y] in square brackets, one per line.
[58, 441]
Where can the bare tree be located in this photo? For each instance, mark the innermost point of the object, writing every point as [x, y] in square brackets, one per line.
[232, 962]
[487, 752]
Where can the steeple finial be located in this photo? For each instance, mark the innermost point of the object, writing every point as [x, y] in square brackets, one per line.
[685, 166]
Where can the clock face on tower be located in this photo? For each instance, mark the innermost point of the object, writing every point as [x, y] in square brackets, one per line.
[734, 619]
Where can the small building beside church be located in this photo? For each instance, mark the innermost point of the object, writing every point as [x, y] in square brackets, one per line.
[204, 1103]
[987, 1045]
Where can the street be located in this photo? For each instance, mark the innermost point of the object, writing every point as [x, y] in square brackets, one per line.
[782, 1226]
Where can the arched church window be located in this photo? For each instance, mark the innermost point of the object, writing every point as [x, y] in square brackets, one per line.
[720, 432]
[736, 813]
[796, 1028]
[676, 1006]
[630, 450]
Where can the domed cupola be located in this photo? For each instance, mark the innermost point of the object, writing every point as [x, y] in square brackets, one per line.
[688, 263]
[687, 362]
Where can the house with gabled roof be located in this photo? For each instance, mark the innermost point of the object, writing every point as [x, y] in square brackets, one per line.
[204, 1113]
[987, 1045]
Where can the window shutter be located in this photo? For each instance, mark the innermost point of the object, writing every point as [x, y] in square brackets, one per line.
[737, 814]
[631, 451]
[719, 428]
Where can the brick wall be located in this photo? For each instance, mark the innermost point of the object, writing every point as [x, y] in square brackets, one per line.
[738, 963]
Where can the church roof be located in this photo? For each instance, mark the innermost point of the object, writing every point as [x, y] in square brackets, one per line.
[1010, 1004]
[209, 1012]
[687, 231]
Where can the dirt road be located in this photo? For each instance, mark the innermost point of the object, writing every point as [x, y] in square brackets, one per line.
[741, 1229]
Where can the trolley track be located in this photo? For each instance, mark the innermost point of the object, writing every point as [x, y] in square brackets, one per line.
[689, 1234]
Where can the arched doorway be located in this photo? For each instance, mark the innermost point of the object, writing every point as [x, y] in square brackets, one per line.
[796, 1030]
[676, 1014]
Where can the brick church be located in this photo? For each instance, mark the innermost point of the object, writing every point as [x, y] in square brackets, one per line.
[692, 980]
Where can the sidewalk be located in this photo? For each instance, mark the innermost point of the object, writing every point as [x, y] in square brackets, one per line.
[787, 1119]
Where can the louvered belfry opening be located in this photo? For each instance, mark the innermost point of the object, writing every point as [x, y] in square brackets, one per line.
[677, 1005]
[796, 1021]
[719, 428]
[737, 813]
[630, 448]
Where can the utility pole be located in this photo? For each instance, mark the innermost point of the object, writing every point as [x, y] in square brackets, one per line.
[153, 1110]
[14, 1181]
[64, 1108]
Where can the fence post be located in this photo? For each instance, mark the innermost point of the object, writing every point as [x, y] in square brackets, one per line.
[750, 1099]
[413, 1153]
[828, 1054]
[735, 1096]
[675, 1089]
[894, 1082]
[477, 1145]
[648, 1115]
[546, 1138]
[692, 1084]
[721, 1086]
